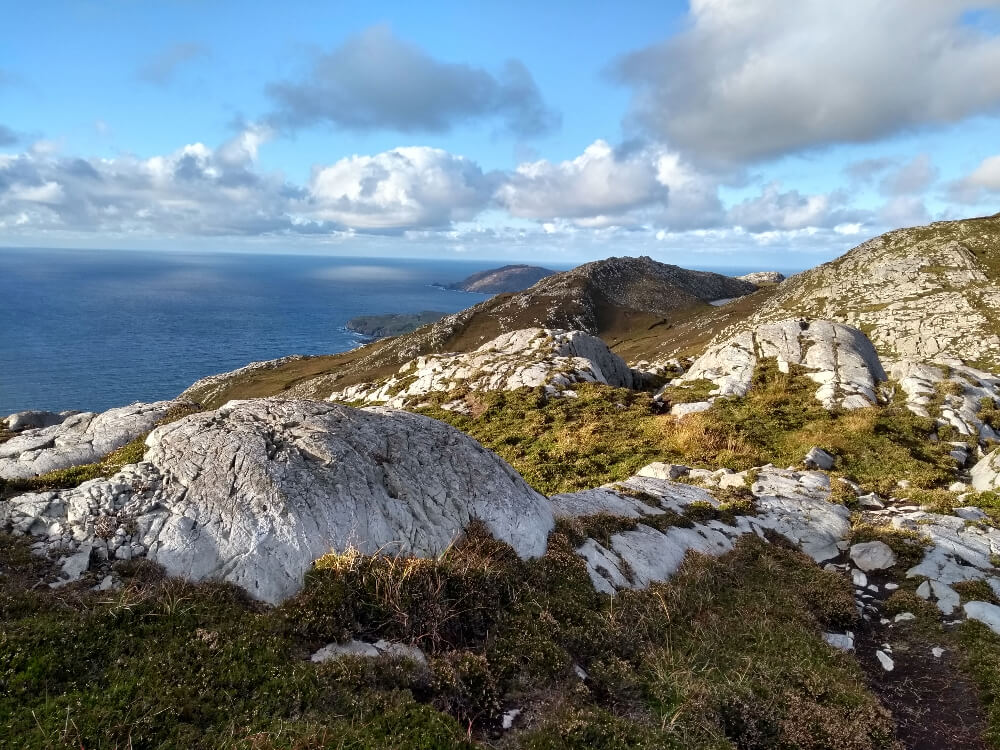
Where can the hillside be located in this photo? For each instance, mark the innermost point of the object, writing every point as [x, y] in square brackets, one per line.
[513, 278]
[611, 298]
[393, 324]
[921, 292]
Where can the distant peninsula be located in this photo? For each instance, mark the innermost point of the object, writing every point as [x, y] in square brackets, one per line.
[514, 278]
[395, 324]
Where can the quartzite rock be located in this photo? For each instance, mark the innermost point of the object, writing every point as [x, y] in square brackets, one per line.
[254, 492]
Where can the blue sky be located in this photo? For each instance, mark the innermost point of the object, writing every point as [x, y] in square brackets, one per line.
[716, 132]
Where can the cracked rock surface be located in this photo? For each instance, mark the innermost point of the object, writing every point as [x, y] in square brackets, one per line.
[77, 439]
[526, 358]
[839, 358]
[254, 492]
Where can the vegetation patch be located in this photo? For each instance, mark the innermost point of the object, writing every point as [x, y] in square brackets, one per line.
[725, 655]
[606, 434]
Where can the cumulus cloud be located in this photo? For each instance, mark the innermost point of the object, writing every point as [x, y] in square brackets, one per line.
[604, 186]
[774, 210]
[190, 191]
[404, 188]
[983, 183]
[751, 80]
[161, 68]
[377, 81]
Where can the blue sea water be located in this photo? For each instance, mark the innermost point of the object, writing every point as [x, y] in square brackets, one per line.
[87, 329]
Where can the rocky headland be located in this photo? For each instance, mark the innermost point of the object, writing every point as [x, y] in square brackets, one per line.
[503, 280]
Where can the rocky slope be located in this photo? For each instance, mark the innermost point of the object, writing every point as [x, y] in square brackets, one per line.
[512, 278]
[520, 359]
[919, 293]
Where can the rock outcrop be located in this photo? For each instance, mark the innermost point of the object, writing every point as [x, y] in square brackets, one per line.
[763, 277]
[34, 419]
[919, 293]
[794, 504]
[839, 358]
[985, 474]
[528, 358]
[951, 392]
[77, 439]
[209, 388]
[254, 492]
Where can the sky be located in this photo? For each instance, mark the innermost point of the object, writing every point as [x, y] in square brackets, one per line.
[770, 133]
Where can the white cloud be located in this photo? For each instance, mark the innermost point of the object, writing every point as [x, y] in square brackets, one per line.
[752, 80]
[982, 184]
[774, 210]
[911, 178]
[404, 188]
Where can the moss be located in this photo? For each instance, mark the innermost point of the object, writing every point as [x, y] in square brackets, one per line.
[976, 591]
[689, 392]
[980, 650]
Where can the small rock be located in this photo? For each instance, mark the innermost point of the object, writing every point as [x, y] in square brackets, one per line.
[904, 616]
[871, 501]
[891, 586]
[660, 470]
[873, 556]
[580, 672]
[970, 513]
[682, 410]
[840, 641]
[947, 598]
[924, 590]
[508, 718]
[817, 458]
[938, 652]
[859, 578]
[958, 487]
[884, 660]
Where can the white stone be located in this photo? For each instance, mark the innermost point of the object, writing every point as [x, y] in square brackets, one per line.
[859, 578]
[873, 556]
[660, 470]
[947, 598]
[984, 612]
[904, 616]
[938, 652]
[884, 660]
[840, 641]
[817, 458]
[682, 410]
[507, 720]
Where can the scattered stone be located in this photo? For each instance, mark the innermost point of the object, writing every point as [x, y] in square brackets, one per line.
[890, 586]
[884, 660]
[817, 458]
[659, 470]
[871, 501]
[682, 410]
[904, 616]
[840, 641]
[970, 513]
[924, 590]
[873, 556]
[80, 438]
[938, 652]
[958, 487]
[580, 672]
[859, 578]
[985, 475]
[507, 721]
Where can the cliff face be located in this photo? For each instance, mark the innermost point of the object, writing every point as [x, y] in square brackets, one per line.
[922, 292]
[513, 278]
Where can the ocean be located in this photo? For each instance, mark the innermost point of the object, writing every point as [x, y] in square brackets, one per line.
[90, 329]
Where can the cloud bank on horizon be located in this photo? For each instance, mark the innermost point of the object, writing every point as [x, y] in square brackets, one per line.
[731, 128]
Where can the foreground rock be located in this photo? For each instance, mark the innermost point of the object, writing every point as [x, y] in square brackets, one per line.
[254, 492]
[34, 419]
[527, 358]
[794, 504]
[78, 439]
[986, 473]
[839, 358]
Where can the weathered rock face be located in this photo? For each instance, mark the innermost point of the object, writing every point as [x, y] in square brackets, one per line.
[920, 293]
[839, 358]
[531, 357]
[254, 492]
[34, 419]
[791, 503]
[79, 439]
[986, 473]
[966, 390]
[763, 277]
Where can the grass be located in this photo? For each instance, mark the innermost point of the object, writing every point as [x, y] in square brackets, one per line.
[605, 435]
[726, 655]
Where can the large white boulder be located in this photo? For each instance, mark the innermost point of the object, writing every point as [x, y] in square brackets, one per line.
[526, 358]
[78, 439]
[839, 358]
[254, 492]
